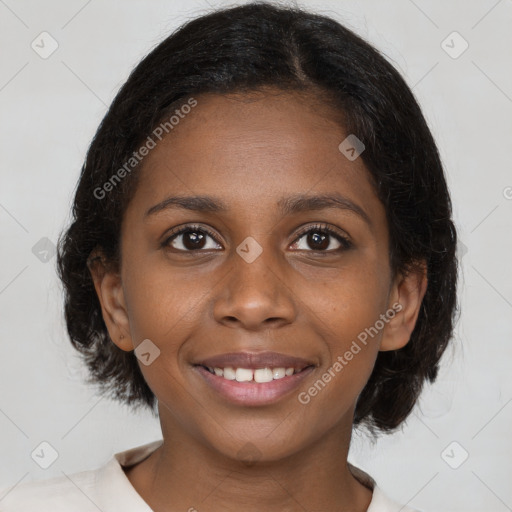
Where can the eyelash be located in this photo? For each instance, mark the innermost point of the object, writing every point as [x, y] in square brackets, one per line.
[325, 230]
[317, 228]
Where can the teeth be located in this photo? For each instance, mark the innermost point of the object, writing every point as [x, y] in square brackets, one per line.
[263, 375]
[260, 375]
[278, 373]
[229, 373]
[243, 375]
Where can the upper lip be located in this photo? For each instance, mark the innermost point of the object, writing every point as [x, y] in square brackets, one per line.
[254, 360]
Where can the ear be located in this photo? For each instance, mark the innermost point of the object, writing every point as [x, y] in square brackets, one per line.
[108, 285]
[407, 291]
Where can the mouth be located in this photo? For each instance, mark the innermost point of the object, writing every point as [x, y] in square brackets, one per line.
[252, 379]
[259, 375]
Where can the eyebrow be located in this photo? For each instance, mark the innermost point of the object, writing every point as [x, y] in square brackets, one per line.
[287, 205]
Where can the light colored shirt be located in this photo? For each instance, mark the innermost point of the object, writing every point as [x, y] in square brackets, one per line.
[107, 489]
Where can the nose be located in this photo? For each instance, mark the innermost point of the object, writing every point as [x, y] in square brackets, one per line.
[255, 295]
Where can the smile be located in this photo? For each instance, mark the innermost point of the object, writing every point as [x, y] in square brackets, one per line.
[260, 375]
[252, 379]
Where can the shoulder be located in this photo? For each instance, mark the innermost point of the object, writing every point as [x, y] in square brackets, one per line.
[59, 494]
[381, 502]
[106, 488]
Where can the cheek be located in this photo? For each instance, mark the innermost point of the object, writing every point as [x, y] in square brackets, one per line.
[345, 313]
[332, 396]
[163, 302]
[344, 317]
[346, 304]
[165, 306]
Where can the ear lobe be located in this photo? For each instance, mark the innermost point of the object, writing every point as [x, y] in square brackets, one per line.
[408, 290]
[109, 289]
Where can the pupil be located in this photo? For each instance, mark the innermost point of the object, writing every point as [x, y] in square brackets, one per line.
[316, 237]
[194, 238]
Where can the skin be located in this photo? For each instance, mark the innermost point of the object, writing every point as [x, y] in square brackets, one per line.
[250, 151]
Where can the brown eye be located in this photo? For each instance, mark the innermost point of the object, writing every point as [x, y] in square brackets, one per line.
[190, 238]
[322, 239]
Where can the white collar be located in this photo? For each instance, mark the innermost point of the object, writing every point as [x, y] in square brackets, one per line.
[123, 496]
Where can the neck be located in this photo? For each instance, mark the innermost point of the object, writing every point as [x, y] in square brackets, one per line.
[184, 474]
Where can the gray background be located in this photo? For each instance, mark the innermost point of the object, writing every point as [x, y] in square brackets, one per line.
[50, 108]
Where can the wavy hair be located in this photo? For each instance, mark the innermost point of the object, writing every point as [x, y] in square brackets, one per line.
[243, 49]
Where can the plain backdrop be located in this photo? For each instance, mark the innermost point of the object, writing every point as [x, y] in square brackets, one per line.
[455, 451]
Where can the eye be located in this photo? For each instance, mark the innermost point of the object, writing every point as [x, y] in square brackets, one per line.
[320, 238]
[193, 238]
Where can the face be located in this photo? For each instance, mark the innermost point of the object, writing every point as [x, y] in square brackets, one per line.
[257, 279]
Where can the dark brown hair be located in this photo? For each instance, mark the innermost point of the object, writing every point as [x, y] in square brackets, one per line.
[242, 49]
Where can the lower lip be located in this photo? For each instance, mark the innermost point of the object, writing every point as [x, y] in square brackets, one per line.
[254, 393]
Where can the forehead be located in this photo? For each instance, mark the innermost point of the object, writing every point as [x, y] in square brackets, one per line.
[252, 149]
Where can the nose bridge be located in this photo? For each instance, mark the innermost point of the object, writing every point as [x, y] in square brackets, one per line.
[254, 293]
